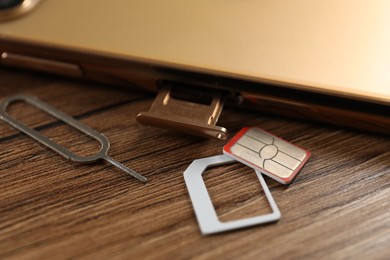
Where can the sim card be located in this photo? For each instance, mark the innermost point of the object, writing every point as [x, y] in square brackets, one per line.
[267, 153]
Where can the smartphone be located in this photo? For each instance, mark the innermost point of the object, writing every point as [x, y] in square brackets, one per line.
[320, 60]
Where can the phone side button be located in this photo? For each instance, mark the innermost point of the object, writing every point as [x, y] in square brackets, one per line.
[45, 65]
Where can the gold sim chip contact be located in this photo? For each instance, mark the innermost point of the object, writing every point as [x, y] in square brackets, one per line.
[267, 153]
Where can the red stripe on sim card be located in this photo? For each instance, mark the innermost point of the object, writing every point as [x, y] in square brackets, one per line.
[271, 155]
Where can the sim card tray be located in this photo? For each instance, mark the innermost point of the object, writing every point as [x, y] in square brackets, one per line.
[191, 117]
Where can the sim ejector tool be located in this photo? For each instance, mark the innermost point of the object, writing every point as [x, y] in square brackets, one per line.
[105, 144]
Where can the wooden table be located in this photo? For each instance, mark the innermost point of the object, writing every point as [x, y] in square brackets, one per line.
[51, 208]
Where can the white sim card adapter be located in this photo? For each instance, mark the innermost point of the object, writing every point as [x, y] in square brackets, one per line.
[267, 153]
[203, 206]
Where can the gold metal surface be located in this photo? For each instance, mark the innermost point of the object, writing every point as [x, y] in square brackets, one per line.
[322, 60]
[186, 116]
[334, 47]
[45, 65]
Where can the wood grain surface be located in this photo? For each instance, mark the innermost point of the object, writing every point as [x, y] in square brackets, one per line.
[51, 208]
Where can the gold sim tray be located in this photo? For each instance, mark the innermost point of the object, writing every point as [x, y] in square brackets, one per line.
[173, 112]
